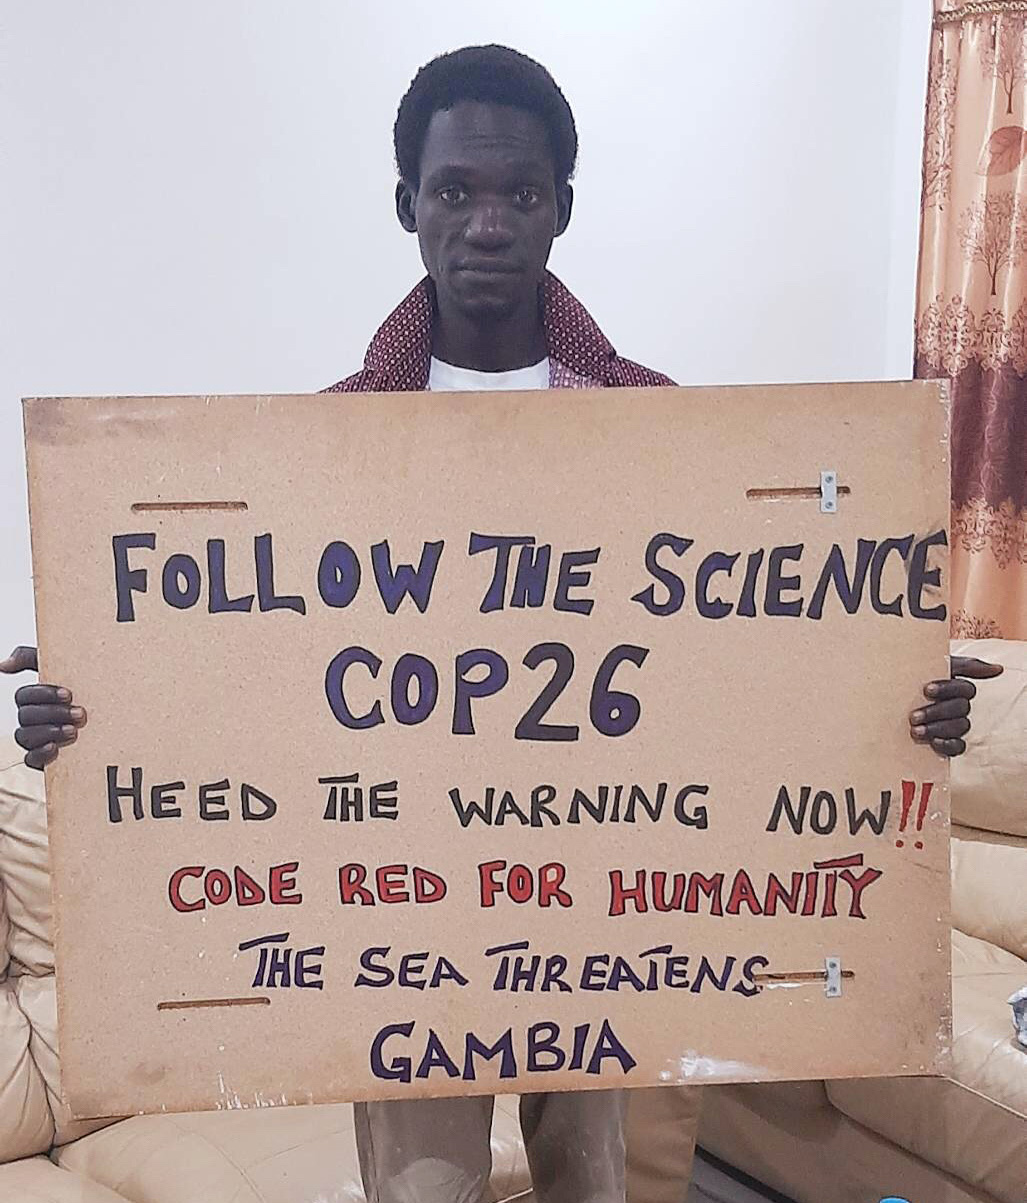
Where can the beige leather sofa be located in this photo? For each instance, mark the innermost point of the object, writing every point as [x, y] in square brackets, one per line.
[292, 1155]
[929, 1141]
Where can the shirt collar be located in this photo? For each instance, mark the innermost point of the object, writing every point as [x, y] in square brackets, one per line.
[400, 352]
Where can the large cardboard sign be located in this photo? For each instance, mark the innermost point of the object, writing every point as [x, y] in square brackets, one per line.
[446, 744]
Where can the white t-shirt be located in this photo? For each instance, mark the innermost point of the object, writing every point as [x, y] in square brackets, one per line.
[445, 378]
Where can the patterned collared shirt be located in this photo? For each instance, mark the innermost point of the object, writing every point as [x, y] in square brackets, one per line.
[580, 355]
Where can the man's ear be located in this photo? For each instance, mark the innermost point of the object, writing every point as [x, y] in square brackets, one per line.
[564, 205]
[406, 198]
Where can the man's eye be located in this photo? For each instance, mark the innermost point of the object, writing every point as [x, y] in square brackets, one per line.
[453, 196]
[528, 197]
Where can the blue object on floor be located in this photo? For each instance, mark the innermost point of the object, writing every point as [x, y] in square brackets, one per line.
[894, 1199]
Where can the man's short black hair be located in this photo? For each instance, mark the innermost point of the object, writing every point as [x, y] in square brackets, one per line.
[495, 75]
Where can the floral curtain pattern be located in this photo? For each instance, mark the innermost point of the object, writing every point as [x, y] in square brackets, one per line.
[972, 299]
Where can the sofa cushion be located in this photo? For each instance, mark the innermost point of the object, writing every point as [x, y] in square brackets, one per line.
[279, 1155]
[989, 783]
[972, 1124]
[817, 1155]
[5, 933]
[37, 1180]
[989, 887]
[24, 863]
[26, 1125]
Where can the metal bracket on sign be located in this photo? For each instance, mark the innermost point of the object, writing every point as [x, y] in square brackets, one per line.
[829, 492]
[833, 985]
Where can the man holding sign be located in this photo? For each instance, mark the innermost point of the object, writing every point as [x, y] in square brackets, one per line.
[485, 147]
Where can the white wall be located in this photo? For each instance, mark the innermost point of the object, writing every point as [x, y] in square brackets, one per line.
[196, 196]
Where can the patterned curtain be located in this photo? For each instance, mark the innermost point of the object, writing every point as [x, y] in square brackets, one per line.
[972, 299]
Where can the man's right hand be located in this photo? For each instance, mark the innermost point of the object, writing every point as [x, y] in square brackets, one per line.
[47, 721]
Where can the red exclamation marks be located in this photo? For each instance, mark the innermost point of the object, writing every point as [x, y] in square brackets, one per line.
[908, 795]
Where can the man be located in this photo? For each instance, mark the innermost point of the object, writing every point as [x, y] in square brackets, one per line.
[485, 147]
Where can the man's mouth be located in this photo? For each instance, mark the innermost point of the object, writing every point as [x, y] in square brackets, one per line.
[484, 267]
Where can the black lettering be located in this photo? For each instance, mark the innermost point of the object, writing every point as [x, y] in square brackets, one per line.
[823, 816]
[699, 818]
[531, 576]
[884, 550]
[850, 593]
[116, 792]
[411, 667]
[405, 580]
[250, 795]
[866, 816]
[670, 580]
[338, 575]
[382, 974]
[502, 546]
[267, 599]
[774, 604]
[747, 601]
[212, 800]
[531, 726]
[128, 581]
[163, 801]
[717, 561]
[783, 806]
[569, 579]
[495, 678]
[218, 601]
[335, 693]
[921, 577]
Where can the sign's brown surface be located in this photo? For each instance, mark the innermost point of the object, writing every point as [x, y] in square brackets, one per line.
[448, 744]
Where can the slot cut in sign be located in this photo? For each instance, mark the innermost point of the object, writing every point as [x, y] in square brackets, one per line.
[459, 744]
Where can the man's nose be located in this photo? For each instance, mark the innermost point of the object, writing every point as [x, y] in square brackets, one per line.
[489, 227]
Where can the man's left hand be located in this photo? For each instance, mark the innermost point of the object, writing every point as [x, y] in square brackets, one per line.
[945, 721]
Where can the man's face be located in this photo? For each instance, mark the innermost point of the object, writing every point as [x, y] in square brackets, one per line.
[487, 208]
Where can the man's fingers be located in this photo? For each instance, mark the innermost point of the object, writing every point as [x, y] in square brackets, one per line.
[953, 728]
[42, 695]
[31, 738]
[970, 666]
[41, 757]
[61, 716]
[949, 747]
[940, 691]
[21, 660]
[953, 708]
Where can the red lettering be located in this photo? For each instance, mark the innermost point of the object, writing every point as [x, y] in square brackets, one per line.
[742, 892]
[389, 889]
[620, 895]
[428, 886]
[659, 888]
[830, 891]
[840, 862]
[710, 886]
[218, 887]
[489, 887]
[247, 892]
[282, 882]
[550, 882]
[859, 884]
[351, 885]
[520, 884]
[776, 892]
[175, 888]
[809, 903]
[517, 881]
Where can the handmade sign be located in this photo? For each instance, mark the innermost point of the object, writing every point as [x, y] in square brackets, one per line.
[457, 744]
